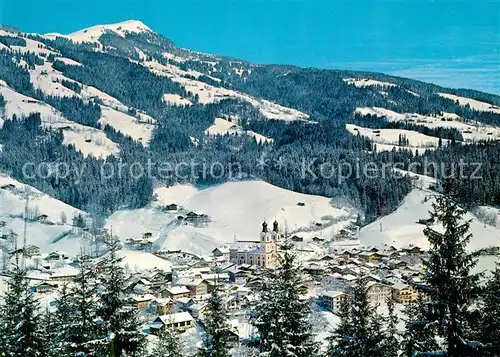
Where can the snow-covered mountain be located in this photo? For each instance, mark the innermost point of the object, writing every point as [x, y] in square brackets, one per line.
[127, 77]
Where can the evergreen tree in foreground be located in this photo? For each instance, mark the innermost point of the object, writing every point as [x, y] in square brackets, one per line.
[216, 343]
[391, 339]
[86, 333]
[281, 316]
[121, 319]
[418, 334]
[451, 287]
[359, 334]
[490, 321]
[168, 344]
[340, 339]
[22, 334]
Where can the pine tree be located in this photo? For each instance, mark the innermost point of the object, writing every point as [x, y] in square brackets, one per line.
[121, 319]
[418, 335]
[451, 287]
[168, 344]
[281, 316]
[64, 317]
[490, 319]
[340, 339]
[359, 333]
[21, 329]
[216, 343]
[86, 334]
[391, 340]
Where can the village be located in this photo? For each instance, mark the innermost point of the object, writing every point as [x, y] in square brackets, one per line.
[172, 290]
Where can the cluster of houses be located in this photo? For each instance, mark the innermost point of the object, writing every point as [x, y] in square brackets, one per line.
[176, 297]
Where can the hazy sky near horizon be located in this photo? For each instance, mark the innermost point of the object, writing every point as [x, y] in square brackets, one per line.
[449, 42]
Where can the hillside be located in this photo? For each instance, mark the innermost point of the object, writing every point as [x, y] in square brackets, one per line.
[233, 209]
[122, 94]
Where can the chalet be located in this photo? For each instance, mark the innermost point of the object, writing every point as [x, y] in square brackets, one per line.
[331, 300]
[172, 207]
[318, 240]
[404, 293]
[46, 287]
[196, 287]
[64, 274]
[378, 293]
[177, 292]
[180, 322]
[142, 301]
[338, 282]
[31, 250]
[412, 250]
[147, 235]
[197, 309]
[347, 254]
[314, 269]
[162, 306]
[9, 186]
[222, 251]
[370, 256]
[42, 217]
[301, 204]
[56, 255]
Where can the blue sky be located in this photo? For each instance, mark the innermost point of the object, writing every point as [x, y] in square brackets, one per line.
[449, 42]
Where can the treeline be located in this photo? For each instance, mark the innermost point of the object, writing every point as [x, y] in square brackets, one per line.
[87, 185]
[375, 122]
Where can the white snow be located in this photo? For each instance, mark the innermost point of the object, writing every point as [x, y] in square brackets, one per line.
[471, 130]
[48, 80]
[92, 34]
[68, 61]
[12, 207]
[235, 209]
[401, 228]
[138, 261]
[127, 124]
[89, 92]
[222, 126]
[208, 94]
[175, 99]
[34, 46]
[474, 104]
[89, 141]
[365, 82]
[391, 137]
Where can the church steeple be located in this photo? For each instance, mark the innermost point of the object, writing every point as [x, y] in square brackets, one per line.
[275, 227]
[264, 227]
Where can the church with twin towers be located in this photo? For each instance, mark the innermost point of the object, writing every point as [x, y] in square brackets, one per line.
[262, 252]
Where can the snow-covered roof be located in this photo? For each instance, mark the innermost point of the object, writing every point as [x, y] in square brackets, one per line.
[176, 290]
[333, 294]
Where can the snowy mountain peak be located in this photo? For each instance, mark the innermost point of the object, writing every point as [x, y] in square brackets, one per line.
[92, 34]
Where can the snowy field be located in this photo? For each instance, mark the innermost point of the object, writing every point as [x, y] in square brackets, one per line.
[401, 228]
[245, 206]
[474, 104]
[390, 137]
[40, 233]
[222, 126]
[471, 130]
